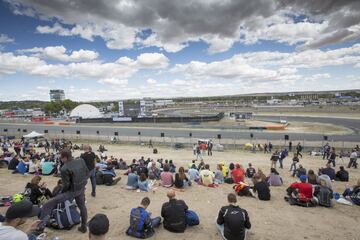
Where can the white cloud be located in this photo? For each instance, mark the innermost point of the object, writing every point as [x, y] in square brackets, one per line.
[58, 53]
[5, 39]
[152, 60]
[114, 81]
[151, 81]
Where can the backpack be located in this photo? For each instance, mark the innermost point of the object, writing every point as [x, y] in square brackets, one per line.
[324, 196]
[192, 218]
[64, 216]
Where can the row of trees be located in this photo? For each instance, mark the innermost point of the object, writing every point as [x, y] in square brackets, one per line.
[56, 107]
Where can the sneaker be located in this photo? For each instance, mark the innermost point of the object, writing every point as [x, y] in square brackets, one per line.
[82, 229]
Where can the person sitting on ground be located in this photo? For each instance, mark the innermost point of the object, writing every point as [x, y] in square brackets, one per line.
[219, 177]
[36, 192]
[166, 177]
[258, 175]
[201, 165]
[141, 224]
[176, 214]
[342, 175]
[154, 172]
[224, 169]
[14, 163]
[262, 189]
[300, 193]
[194, 174]
[181, 180]
[34, 166]
[300, 171]
[109, 176]
[172, 167]
[58, 188]
[327, 179]
[274, 178]
[122, 164]
[328, 171]
[243, 189]
[98, 227]
[250, 171]
[312, 178]
[233, 221]
[353, 193]
[143, 183]
[132, 181]
[192, 164]
[228, 178]
[323, 194]
[238, 174]
[207, 176]
[16, 215]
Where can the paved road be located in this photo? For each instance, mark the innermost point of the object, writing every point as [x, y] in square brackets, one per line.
[353, 124]
[13, 129]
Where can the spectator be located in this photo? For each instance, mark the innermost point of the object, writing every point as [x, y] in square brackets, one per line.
[250, 171]
[274, 158]
[312, 178]
[323, 194]
[300, 171]
[332, 158]
[328, 171]
[89, 158]
[36, 192]
[141, 225]
[300, 193]
[274, 178]
[232, 220]
[342, 175]
[74, 176]
[238, 175]
[219, 177]
[194, 174]
[262, 189]
[15, 216]
[176, 214]
[132, 181]
[353, 158]
[206, 176]
[166, 177]
[98, 227]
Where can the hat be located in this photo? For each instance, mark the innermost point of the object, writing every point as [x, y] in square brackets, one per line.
[303, 178]
[99, 224]
[237, 165]
[22, 209]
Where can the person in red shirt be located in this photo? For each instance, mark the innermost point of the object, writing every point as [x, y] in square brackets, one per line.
[300, 193]
[238, 174]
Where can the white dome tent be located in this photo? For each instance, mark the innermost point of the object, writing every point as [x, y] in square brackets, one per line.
[85, 111]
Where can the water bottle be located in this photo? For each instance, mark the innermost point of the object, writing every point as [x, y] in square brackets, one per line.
[56, 238]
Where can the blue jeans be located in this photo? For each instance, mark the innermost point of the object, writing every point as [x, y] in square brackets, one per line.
[221, 230]
[155, 222]
[93, 180]
[31, 237]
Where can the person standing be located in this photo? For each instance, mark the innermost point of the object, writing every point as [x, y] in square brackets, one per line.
[232, 220]
[299, 148]
[353, 158]
[265, 148]
[270, 147]
[209, 148]
[74, 176]
[290, 146]
[332, 157]
[89, 158]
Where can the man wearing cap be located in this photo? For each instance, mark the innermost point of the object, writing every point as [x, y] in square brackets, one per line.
[98, 227]
[74, 176]
[300, 193]
[17, 215]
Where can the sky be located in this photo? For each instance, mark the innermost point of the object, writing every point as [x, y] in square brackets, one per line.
[123, 49]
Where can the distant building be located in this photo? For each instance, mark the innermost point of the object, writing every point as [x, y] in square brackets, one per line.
[57, 95]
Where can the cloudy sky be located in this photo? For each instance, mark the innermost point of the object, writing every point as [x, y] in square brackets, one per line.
[120, 49]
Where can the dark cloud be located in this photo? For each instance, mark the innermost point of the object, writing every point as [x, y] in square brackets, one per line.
[179, 21]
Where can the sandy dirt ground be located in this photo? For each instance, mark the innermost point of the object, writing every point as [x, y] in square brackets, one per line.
[275, 219]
